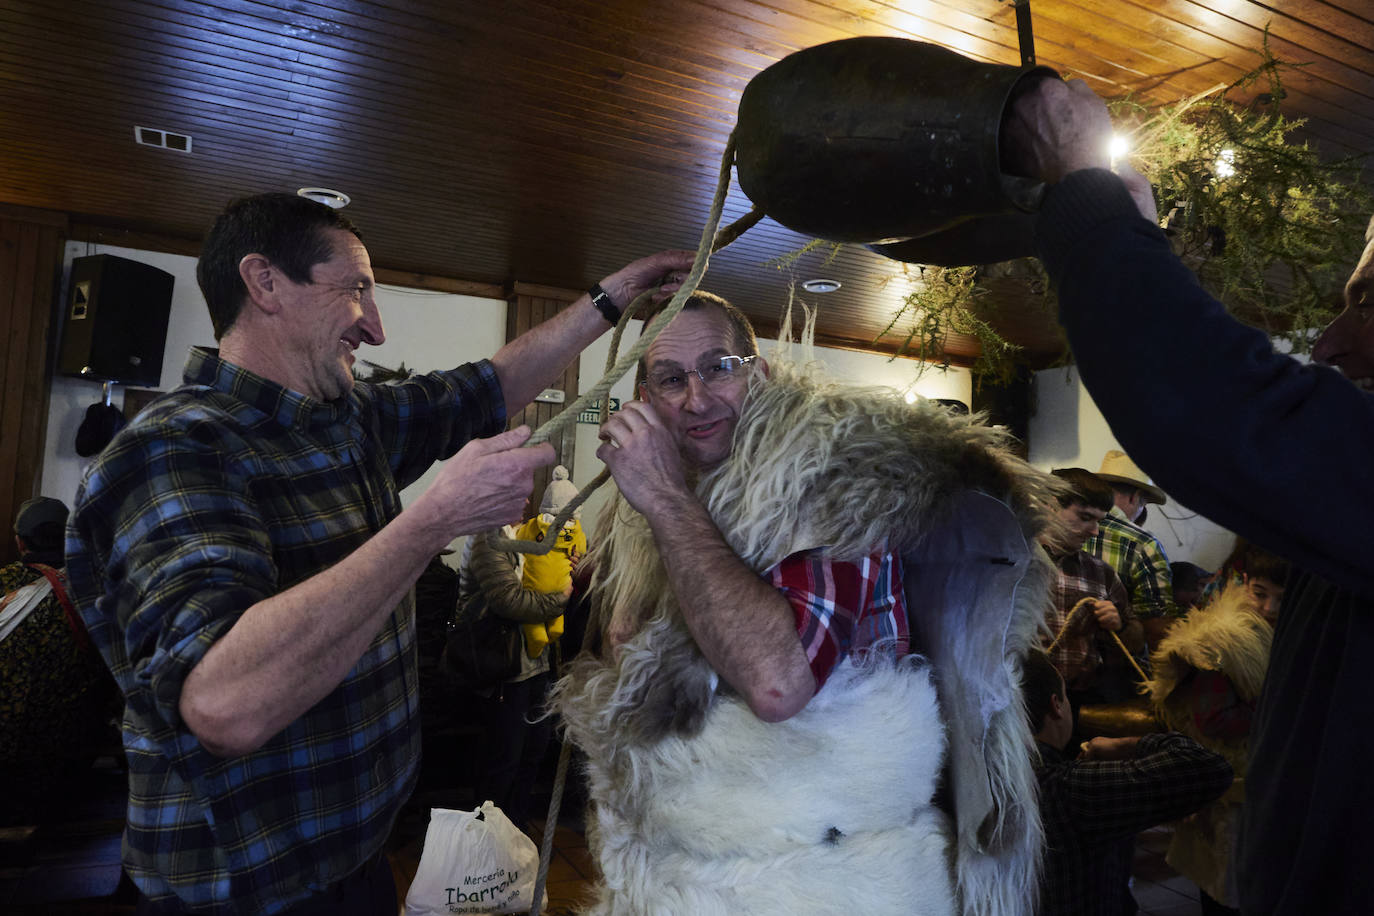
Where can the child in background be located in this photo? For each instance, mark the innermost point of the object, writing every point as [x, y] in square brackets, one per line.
[1208, 673]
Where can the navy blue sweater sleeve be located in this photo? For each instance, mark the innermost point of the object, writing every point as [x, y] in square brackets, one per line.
[1279, 452]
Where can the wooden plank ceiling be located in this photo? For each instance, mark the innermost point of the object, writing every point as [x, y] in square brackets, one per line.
[550, 141]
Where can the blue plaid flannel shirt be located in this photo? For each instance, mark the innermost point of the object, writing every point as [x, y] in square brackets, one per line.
[222, 493]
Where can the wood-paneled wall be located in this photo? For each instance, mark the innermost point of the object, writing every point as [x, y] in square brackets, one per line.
[529, 306]
[30, 267]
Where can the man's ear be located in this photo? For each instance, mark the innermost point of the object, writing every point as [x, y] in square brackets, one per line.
[1058, 708]
[260, 278]
[764, 363]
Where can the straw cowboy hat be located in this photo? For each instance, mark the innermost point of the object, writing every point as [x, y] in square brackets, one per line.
[1117, 468]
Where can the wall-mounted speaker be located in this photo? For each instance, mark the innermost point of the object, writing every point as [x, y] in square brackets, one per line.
[115, 326]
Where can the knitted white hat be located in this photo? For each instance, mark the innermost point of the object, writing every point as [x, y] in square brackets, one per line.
[559, 493]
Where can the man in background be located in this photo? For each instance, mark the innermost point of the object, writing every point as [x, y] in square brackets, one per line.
[1135, 554]
[56, 696]
[1084, 650]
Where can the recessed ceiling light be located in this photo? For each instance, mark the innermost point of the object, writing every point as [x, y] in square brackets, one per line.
[327, 196]
[820, 285]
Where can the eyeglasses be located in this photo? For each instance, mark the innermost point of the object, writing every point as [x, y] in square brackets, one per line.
[714, 372]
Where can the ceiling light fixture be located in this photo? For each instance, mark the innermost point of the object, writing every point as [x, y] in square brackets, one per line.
[820, 285]
[327, 196]
[1117, 148]
[1226, 164]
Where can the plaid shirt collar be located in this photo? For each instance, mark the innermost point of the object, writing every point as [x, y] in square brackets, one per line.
[293, 410]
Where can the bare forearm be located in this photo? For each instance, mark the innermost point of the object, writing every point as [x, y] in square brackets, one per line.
[531, 362]
[744, 626]
[287, 652]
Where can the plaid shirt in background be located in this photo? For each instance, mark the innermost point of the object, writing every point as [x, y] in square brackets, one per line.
[1077, 656]
[220, 494]
[1140, 561]
[843, 607]
[1090, 808]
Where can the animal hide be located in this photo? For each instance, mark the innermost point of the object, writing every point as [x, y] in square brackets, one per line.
[1225, 636]
[817, 464]
[1229, 637]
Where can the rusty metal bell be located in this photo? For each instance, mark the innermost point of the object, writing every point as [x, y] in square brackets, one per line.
[890, 143]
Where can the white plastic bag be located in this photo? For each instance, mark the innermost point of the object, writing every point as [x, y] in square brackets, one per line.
[475, 863]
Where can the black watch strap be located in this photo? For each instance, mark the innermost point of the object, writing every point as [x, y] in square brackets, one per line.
[602, 300]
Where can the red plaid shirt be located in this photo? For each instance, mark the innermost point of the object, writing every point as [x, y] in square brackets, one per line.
[843, 607]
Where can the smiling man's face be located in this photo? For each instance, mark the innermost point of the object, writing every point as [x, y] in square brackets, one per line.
[330, 317]
[702, 417]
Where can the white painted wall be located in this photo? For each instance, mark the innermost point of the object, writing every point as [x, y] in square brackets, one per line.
[1068, 430]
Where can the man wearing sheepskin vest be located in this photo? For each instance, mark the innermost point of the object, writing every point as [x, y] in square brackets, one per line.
[761, 736]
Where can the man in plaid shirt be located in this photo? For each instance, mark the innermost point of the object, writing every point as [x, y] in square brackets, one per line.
[242, 560]
[1137, 555]
[1114, 789]
[1091, 662]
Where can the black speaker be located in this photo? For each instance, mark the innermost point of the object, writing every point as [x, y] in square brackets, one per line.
[115, 326]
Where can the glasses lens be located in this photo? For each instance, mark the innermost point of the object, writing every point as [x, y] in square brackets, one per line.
[710, 371]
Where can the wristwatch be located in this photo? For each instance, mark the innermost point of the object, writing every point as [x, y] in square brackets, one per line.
[602, 300]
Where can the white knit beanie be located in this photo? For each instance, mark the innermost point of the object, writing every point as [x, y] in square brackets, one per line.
[559, 493]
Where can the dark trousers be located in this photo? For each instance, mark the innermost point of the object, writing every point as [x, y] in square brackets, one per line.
[515, 746]
[369, 891]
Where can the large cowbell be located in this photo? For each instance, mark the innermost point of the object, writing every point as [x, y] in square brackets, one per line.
[890, 143]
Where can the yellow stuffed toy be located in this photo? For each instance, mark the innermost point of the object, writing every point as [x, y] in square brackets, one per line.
[551, 572]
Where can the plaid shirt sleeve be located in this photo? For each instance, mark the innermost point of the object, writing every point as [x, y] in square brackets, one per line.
[1140, 559]
[1170, 777]
[843, 607]
[185, 551]
[403, 416]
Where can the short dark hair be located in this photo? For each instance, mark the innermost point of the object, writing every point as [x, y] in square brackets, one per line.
[46, 537]
[1085, 487]
[1040, 683]
[1262, 563]
[285, 228]
[746, 343]
[1186, 575]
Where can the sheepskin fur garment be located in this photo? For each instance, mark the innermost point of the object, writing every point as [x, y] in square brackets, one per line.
[1226, 636]
[700, 808]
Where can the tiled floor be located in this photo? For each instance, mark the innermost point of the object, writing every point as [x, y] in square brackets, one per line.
[1158, 889]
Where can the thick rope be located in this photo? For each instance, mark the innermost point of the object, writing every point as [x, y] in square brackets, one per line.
[711, 241]
[550, 825]
[1082, 605]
